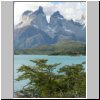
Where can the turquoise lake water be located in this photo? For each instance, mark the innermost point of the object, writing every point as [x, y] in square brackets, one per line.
[24, 59]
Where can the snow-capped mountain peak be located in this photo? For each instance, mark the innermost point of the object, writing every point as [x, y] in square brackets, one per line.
[34, 30]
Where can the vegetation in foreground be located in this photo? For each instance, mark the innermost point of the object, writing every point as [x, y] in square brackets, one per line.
[68, 82]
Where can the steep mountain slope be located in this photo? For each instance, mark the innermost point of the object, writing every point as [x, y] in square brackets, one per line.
[34, 30]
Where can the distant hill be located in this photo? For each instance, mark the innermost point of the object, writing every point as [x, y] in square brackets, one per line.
[63, 47]
[34, 31]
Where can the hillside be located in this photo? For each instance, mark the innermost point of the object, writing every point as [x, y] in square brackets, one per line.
[63, 47]
[34, 30]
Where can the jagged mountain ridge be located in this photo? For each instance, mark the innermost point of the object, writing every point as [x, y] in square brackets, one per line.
[34, 30]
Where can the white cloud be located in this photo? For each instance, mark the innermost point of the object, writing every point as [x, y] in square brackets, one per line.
[70, 10]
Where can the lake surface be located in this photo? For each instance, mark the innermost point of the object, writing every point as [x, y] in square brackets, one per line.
[24, 59]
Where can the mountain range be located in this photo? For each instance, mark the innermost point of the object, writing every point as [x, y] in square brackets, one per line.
[34, 30]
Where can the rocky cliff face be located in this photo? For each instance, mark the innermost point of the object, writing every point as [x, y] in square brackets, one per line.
[34, 30]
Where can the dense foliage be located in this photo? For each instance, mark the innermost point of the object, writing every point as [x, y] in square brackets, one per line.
[68, 82]
[63, 47]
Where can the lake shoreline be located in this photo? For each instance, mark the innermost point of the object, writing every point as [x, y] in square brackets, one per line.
[53, 55]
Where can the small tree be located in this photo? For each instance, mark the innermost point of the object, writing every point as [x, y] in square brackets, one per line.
[42, 79]
[69, 82]
[74, 80]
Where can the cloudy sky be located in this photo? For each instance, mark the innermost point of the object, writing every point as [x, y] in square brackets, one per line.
[70, 10]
